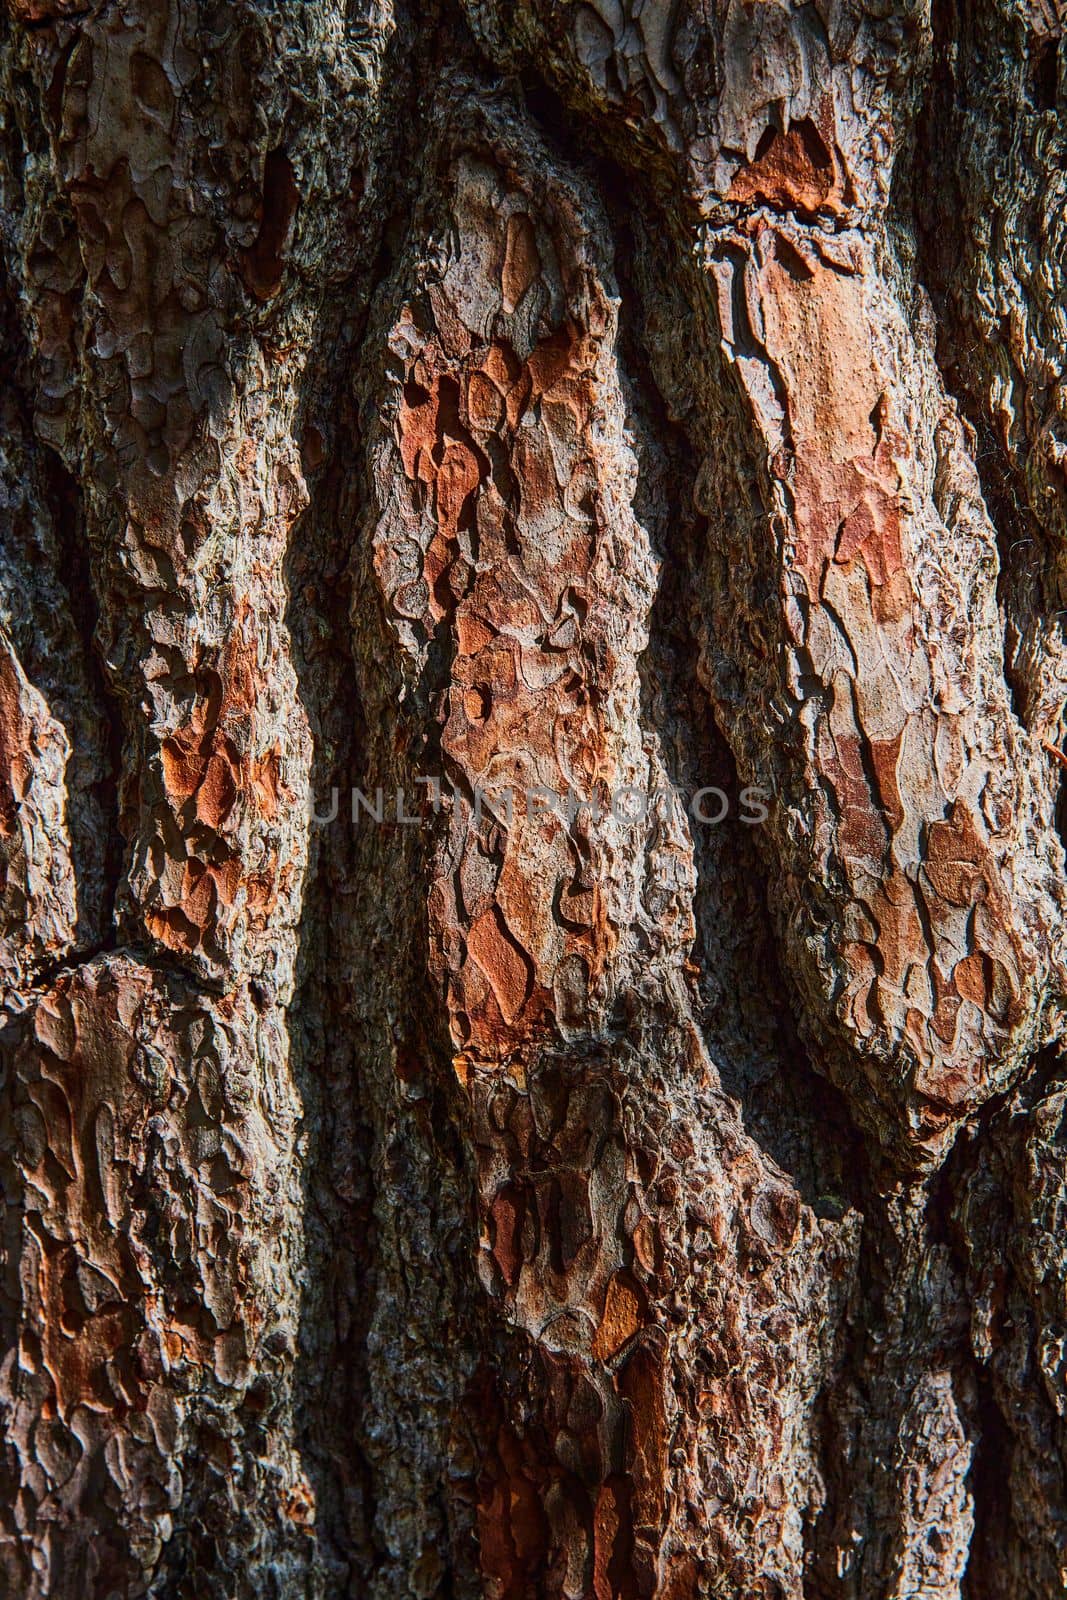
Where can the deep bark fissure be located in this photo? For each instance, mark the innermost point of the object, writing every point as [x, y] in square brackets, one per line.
[87, 704]
[939, 238]
[811, 1157]
[531, 1207]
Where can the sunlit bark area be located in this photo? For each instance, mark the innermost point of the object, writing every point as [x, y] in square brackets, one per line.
[532, 707]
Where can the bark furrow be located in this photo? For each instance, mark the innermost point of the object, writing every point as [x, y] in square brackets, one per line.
[531, 838]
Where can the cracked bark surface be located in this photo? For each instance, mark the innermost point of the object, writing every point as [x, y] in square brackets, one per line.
[534, 1199]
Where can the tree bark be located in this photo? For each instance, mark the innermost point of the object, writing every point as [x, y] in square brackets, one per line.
[532, 694]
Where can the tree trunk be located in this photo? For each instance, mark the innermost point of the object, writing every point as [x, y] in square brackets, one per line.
[532, 678]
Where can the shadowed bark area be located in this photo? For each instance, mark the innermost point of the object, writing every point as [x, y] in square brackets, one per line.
[532, 704]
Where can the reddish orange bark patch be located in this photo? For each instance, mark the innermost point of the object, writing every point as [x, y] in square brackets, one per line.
[512, 1529]
[508, 1212]
[958, 862]
[641, 1384]
[502, 960]
[625, 1310]
[613, 1577]
[847, 511]
[204, 762]
[794, 171]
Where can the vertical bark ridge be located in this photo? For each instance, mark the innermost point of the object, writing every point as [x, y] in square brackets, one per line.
[991, 254]
[822, 172]
[531, 396]
[151, 1292]
[862, 466]
[183, 201]
[517, 576]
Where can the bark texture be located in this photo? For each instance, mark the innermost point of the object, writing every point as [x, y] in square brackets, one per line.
[553, 1200]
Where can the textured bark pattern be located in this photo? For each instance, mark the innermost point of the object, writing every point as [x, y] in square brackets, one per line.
[541, 404]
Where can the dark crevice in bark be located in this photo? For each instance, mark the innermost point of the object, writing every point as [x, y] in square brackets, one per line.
[795, 1114]
[343, 1062]
[45, 977]
[336, 1171]
[989, 1484]
[556, 124]
[936, 214]
[376, 1116]
[990, 1566]
[263, 263]
[990, 1474]
[331, 1380]
[1018, 537]
[77, 690]
[96, 904]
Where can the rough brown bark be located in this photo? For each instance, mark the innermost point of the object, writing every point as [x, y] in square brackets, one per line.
[586, 1200]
